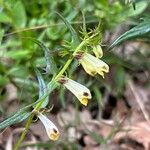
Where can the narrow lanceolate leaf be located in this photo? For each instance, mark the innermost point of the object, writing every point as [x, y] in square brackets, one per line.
[140, 31]
[75, 39]
[50, 87]
[16, 118]
[23, 113]
[42, 88]
[51, 67]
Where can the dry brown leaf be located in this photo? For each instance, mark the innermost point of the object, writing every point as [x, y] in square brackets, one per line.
[138, 98]
[73, 134]
[89, 141]
[5, 134]
[140, 132]
[91, 148]
[9, 142]
[66, 117]
[11, 93]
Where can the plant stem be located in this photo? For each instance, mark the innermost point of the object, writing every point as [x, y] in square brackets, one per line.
[69, 61]
[29, 121]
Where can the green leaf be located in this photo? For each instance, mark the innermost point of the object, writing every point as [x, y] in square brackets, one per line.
[119, 80]
[19, 15]
[51, 67]
[140, 31]
[19, 54]
[75, 39]
[18, 71]
[140, 7]
[3, 80]
[16, 118]
[4, 18]
[28, 84]
[50, 87]
[42, 88]
[22, 114]
[98, 96]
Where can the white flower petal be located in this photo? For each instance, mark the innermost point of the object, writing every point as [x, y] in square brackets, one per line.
[88, 67]
[51, 129]
[81, 92]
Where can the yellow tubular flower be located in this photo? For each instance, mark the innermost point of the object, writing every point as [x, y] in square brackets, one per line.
[98, 51]
[81, 92]
[51, 129]
[92, 65]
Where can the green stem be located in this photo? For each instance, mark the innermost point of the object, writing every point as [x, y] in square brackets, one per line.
[64, 68]
[69, 61]
[29, 121]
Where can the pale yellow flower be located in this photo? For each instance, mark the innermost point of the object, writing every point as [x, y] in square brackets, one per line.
[81, 92]
[98, 51]
[92, 65]
[51, 129]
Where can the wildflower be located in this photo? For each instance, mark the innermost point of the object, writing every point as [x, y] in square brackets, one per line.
[81, 92]
[91, 64]
[98, 51]
[51, 129]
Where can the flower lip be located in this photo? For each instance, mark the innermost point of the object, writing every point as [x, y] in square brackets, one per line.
[84, 101]
[54, 135]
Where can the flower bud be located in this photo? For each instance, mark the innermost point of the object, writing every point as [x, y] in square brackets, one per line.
[98, 51]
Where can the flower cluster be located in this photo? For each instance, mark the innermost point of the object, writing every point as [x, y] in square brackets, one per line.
[92, 65]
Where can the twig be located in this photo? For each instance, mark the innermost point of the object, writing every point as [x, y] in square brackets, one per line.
[137, 98]
[44, 26]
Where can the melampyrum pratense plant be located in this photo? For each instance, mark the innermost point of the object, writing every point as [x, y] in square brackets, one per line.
[88, 53]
